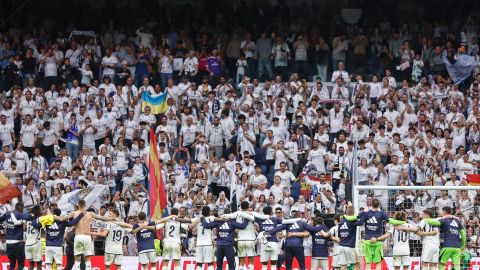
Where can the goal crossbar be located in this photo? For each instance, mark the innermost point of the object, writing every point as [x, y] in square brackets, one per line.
[356, 189]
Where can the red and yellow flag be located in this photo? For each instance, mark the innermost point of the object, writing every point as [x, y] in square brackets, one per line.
[7, 190]
[158, 195]
[473, 179]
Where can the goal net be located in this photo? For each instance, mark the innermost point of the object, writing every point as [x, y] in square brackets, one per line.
[413, 200]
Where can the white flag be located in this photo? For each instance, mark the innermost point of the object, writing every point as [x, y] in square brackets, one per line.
[93, 196]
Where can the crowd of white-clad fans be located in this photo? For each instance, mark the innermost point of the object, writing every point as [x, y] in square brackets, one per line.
[244, 117]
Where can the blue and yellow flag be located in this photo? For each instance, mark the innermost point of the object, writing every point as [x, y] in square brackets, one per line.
[157, 104]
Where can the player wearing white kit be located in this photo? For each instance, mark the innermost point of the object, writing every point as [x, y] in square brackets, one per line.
[333, 232]
[113, 234]
[172, 241]
[204, 245]
[431, 242]
[246, 237]
[401, 236]
[33, 245]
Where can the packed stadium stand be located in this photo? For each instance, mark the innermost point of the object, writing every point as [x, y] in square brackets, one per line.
[164, 108]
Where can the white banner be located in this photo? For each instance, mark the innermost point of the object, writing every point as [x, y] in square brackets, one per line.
[82, 33]
[91, 195]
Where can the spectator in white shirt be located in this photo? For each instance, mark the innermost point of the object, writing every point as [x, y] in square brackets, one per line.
[145, 37]
[248, 48]
[109, 64]
[165, 64]
[190, 66]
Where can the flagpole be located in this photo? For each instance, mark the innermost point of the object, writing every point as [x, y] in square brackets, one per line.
[233, 193]
[355, 200]
[353, 172]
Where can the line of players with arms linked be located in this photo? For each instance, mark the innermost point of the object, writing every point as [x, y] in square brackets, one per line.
[248, 227]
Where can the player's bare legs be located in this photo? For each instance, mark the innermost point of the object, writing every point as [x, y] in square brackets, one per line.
[82, 232]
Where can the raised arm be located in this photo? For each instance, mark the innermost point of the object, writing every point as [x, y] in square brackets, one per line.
[298, 234]
[208, 225]
[102, 218]
[315, 229]
[230, 216]
[260, 216]
[123, 224]
[143, 226]
[277, 229]
[433, 222]
[422, 233]
[351, 218]
[246, 215]
[395, 222]
[309, 181]
[23, 216]
[183, 220]
[381, 238]
[290, 220]
[75, 220]
[163, 220]
[412, 229]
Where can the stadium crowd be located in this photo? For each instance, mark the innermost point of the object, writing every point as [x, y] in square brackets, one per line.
[287, 118]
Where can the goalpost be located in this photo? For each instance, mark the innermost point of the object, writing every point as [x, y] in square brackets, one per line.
[413, 200]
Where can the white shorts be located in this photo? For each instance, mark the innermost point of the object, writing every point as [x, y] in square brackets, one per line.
[171, 251]
[246, 248]
[430, 253]
[53, 254]
[269, 252]
[147, 257]
[335, 261]
[83, 244]
[34, 252]
[204, 254]
[113, 259]
[347, 256]
[319, 262]
[401, 261]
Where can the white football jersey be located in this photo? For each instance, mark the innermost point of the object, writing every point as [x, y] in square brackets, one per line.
[173, 231]
[247, 234]
[400, 241]
[32, 235]
[334, 232]
[204, 235]
[114, 238]
[433, 240]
